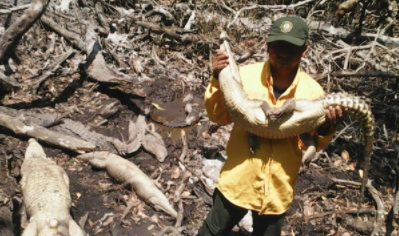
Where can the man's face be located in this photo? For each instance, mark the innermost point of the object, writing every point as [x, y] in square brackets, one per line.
[285, 56]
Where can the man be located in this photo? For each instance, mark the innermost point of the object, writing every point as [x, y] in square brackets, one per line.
[263, 181]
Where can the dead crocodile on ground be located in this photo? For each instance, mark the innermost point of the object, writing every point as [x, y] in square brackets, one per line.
[129, 174]
[177, 114]
[46, 196]
[296, 117]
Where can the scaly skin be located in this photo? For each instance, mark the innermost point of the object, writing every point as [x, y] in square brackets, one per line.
[306, 115]
[127, 172]
[46, 197]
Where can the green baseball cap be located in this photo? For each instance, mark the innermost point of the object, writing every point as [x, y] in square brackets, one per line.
[291, 29]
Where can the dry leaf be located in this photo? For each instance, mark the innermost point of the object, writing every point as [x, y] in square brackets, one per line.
[338, 163]
[175, 173]
[90, 222]
[345, 155]
[315, 166]
[157, 106]
[361, 173]
[350, 167]
[308, 210]
[78, 195]
[185, 194]
[99, 231]
[154, 219]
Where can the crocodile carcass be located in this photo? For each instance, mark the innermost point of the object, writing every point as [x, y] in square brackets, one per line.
[46, 197]
[302, 116]
[129, 174]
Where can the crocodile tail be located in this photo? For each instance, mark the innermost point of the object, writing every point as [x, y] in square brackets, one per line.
[358, 109]
[361, 112]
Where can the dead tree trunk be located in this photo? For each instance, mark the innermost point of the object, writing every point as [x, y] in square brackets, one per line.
[11, 37]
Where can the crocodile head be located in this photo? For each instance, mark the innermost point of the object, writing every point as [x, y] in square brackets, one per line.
[99, 161]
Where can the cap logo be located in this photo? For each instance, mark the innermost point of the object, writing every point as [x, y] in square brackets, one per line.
[286, 26]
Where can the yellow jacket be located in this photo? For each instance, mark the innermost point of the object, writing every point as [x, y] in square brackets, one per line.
[265, 181]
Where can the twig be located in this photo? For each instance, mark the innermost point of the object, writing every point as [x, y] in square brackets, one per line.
[346, 182]
[380, 209]
[180, 212]
[155, 57]
[167, 230]
[368, 73]
[182, 186]
[161, 11]
[348, 55]
[345, 50]
[206, 186]
[228, 8]
[70, 36]
[190, 21]
[104, 29]
[8, 80]
[130, 204]
[176, 33]
[52, 69]
[13, 9]
[185, 147]
[268, 7]
[341, 132]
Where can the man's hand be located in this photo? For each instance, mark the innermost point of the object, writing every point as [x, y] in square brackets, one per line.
[220, 61]
[333, 116]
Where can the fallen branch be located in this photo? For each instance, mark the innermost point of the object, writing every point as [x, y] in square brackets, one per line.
[51, 70]
[27, 117]
[45, 135]
[380, 74]
[346, 182]
[14, 9]
[9, 81]
[10, 39]
[73, 38]
[176, 33]
[317, 27]
[104, 29]
[101, 141]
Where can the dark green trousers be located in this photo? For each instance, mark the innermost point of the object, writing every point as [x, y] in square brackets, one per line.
[224, 215]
